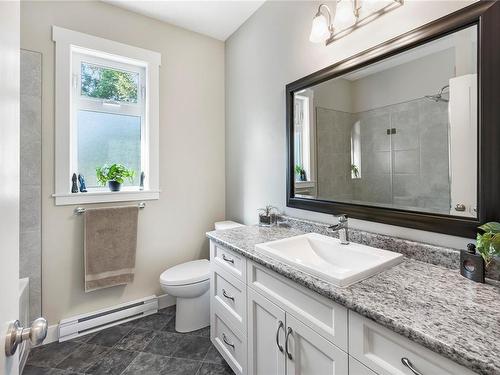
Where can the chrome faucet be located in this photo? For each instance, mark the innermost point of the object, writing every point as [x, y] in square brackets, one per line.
[342, 228]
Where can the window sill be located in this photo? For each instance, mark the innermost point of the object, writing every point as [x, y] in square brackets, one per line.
[105, 197]
[305, 184]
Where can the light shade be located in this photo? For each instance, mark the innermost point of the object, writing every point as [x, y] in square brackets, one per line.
[344, 15]
[319, 29]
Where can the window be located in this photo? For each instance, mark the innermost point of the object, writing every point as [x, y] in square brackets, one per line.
[106, 113]
[356, 150]
[302, 139]
[109, 115]
[304, 143]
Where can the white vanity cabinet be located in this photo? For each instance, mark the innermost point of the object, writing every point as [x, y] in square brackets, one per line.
[280, 344]
[265, 324]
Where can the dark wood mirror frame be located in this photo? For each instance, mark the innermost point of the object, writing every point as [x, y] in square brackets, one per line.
[484, 14]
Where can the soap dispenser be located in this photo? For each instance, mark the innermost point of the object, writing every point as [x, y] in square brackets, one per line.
[472, 264]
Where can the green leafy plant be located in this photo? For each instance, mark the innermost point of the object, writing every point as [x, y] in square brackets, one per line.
[114, 172]
[355, 170]
[488, 243]
[299, 169]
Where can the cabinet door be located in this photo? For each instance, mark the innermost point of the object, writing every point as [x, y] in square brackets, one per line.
[308, 353]
[266, 336]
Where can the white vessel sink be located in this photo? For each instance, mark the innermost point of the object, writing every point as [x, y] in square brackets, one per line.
[326, 258]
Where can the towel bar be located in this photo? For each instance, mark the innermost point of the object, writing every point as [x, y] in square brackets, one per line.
[81, 210]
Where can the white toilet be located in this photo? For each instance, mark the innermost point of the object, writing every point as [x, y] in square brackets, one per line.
[190, 283]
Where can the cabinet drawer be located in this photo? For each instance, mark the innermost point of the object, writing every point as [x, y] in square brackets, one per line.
[357, 368]
[228, 260]
[230, 343]
[326, 317]
[382, 350]
[230, 295]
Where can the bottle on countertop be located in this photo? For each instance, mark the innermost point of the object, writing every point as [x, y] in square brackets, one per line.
[472, 264]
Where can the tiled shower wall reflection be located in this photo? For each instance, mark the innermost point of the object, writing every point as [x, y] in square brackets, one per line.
[409, 168]
[30, 204]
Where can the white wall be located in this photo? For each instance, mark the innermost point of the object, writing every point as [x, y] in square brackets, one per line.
[270, 50]
[336, 94]
[394, 85]
[172, 229]
[404, 82]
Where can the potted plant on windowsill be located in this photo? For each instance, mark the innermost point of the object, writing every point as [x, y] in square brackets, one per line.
[114, 175]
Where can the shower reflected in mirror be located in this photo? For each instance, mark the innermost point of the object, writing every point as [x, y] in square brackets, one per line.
[400, 133]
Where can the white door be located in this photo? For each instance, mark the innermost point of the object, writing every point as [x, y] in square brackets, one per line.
[9, 176]
[463, 145]
[308, 353]
[266, 336]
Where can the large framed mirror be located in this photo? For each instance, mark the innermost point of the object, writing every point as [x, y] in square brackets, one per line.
[406, 133]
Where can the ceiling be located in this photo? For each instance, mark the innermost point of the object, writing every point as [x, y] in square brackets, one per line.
[218, 19]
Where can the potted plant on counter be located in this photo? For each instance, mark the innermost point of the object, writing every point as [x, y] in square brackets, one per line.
[114, 175]
[488, 242]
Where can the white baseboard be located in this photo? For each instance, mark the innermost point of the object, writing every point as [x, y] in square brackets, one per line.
[52, 334]
[164, 301]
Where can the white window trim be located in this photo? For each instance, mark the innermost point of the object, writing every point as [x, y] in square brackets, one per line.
[310, 163]
[67, 41]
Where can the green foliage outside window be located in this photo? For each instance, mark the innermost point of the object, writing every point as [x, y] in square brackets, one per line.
[110, 84]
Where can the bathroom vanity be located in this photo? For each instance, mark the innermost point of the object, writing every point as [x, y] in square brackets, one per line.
[413, 318]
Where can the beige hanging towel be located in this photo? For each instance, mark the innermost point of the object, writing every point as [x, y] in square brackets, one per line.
[110, 241]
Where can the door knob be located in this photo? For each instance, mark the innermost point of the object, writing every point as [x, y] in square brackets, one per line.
[16, 334]
[460, 207]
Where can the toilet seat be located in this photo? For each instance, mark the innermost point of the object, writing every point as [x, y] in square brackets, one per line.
[187, 273]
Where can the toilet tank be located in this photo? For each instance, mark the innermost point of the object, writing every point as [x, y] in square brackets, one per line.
[221, 225]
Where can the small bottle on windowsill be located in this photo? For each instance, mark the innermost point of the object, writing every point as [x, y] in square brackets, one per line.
[472, 264]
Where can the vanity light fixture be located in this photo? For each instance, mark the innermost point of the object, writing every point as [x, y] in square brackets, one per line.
[347, 16]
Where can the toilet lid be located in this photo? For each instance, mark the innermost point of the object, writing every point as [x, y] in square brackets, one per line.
[187, 273]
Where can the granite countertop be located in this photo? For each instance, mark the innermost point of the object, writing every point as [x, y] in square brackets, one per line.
[431, 305]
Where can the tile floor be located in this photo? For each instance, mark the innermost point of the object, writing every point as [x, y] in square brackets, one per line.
[147, 346]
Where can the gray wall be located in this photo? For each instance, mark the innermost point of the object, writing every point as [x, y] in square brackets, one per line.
[30, 250]
[270, 50]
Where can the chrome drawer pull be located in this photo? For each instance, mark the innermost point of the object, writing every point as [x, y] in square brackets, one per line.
[227, 259]
[408, 364]
[227, 295]
[280, 325]
[288, 333]
[227, 342]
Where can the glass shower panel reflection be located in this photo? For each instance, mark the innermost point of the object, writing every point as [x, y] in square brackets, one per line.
[405, 156]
